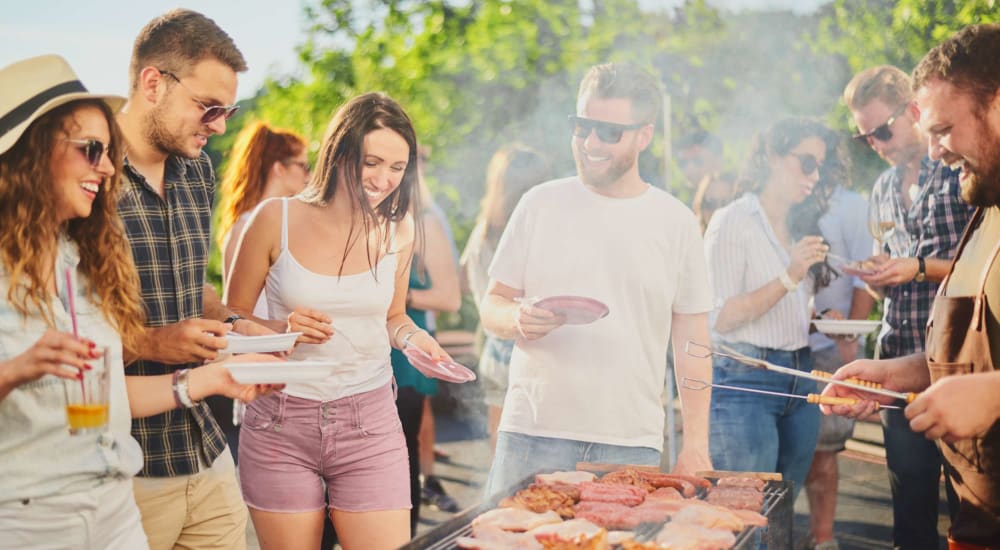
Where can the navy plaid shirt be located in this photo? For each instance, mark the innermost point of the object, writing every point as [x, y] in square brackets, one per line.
[170, 238]
[935, 222]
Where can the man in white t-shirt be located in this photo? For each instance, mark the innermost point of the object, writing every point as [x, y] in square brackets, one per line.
[593, 392]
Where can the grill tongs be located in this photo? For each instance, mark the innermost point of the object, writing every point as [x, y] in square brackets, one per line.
[695, 349]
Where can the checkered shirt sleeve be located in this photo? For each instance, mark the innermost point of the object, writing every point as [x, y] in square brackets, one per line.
[935, 221]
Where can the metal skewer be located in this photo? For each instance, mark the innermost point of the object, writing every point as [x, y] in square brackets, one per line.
[814, 398]
[819, 376]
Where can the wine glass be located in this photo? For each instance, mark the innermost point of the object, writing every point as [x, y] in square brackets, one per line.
[887, 225]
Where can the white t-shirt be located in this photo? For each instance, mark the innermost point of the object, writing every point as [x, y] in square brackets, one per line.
[642, 256]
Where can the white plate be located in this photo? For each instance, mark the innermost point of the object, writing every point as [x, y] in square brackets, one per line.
[281, 373]
[847, 326]
[241, 343]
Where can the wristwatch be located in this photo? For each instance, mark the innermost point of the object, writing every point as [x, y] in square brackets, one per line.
[921, 270]
[232, 319]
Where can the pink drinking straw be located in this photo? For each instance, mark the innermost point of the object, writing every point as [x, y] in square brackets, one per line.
[72, 316]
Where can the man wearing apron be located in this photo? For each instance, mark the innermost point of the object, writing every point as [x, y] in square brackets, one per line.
[957, 88]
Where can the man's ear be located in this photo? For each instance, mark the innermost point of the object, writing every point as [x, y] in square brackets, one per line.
[149, 83]
[645, 135]
[914, 111]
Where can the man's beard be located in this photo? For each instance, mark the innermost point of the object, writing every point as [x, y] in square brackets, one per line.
[982, 186]
[618, 167]
[160, 137]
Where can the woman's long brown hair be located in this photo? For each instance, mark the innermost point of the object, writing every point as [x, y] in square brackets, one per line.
[257, 148]
[29, 230]
[339, 165]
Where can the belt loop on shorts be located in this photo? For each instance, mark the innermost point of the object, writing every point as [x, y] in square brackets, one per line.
[280, 416]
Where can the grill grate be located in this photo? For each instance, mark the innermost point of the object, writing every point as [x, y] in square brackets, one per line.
[777, 507]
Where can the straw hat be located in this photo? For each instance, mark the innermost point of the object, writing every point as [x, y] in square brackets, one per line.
[33, 87]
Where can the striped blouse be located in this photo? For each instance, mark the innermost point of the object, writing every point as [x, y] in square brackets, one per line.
[744, 255]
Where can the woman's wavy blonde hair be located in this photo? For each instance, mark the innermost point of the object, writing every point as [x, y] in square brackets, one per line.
[29, 230]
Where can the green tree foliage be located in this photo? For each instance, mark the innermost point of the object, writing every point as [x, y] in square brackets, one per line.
[476, 74]
[865, 33]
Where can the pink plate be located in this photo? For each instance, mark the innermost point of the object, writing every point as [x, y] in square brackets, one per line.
[449, 371]
[578, 310]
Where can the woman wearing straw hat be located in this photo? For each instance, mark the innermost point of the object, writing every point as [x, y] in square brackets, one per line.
[60, 153]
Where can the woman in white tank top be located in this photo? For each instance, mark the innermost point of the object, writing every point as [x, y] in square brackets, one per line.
[335, 264]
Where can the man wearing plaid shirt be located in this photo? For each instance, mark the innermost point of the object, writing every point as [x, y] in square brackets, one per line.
[182, 84]
[921, 198]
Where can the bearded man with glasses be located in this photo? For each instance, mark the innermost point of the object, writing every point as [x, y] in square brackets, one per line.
[593, 392]
[926, 195]
[182, 87]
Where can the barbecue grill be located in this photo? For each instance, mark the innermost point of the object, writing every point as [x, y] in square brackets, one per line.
[777, 535]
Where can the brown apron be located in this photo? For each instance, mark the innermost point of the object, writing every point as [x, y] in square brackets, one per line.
[958, 343]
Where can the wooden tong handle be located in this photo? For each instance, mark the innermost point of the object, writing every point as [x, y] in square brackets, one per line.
[818, 399]
[855, 381]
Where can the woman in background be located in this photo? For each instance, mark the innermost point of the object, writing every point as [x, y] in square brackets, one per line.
[766, 258]
[714, 191]
[265, 162]
[513, 170]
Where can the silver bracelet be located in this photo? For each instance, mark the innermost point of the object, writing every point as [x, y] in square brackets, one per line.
[408, 335]
[181, 392]
[395, 333]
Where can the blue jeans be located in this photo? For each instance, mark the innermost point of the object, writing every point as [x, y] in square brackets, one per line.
[519, 456]
[914, 465]
[763, 433]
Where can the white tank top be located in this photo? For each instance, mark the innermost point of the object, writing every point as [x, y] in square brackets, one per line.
[357, 304]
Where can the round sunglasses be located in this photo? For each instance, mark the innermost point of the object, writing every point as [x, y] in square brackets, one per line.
[212, 112]
[608, 132]
[92, 149]
[808, 163]
[882, 133]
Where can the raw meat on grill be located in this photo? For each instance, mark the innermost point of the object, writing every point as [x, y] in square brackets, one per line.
[573, 477]
[690, 536]
[619, 537]
[686, 484]
[653, 511]
[707, 515]
[740, 481]
[628, 495]
[737, 498]
[513, 519]
[751, 518]
[664, 493]
[541, 497]
[627, 476]
[609, 515]
[493, 538]
[572, 534]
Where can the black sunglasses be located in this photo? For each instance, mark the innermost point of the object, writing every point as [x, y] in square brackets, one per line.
[92, 149]
[608, 132]
[882, 133]
[299, 163]
[808, 162]
[212, 112]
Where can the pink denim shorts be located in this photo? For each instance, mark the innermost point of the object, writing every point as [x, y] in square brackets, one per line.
[292, 449]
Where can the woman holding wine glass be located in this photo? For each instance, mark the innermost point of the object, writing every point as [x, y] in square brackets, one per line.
[766, 258]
